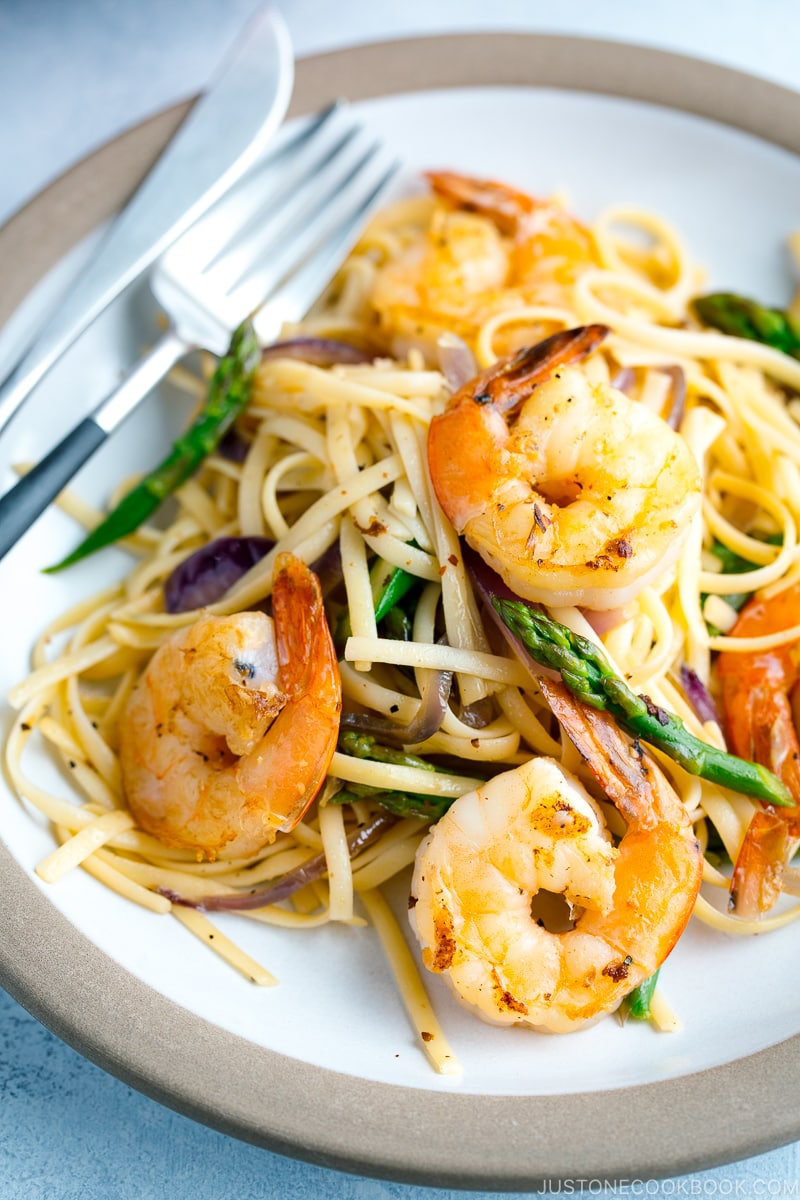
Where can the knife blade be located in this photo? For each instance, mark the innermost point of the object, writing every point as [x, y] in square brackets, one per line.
[221, 137]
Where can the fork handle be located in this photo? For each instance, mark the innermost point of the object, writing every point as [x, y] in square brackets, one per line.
[27, 499]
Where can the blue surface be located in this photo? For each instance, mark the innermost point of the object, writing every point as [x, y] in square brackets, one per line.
[69, 1131]
[74, 74]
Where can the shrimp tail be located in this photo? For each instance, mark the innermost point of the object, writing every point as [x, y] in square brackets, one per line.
[505, 384]
[660, 841]
[622, 768]
[505, 206]
[308, 726]
[301, 631]
[756, 694]
[757, 877]
[474, 429]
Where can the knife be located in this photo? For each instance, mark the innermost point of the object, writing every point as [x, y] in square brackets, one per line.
[219, 140]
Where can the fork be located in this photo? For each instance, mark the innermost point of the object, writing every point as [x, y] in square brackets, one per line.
[266, 251]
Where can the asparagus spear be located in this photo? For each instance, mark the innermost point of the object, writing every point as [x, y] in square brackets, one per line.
[389, 586]
[748, 319]
[586, 672]
[637, 1004]
[402, 804]
[364, 745]
[228, 394]
[733, 564]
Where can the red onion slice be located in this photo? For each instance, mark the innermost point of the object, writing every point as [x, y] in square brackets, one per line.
[328, 568]
[489, 584]
[477, 715]
[320, 352]
[624, 380]
[603, 621]
[699, 696]
[234, 446]
[290, 883]
[456, 360]
[434, 697]
[205, 576]
[677, 395]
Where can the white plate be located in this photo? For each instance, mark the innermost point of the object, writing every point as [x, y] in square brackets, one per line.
[733, 197]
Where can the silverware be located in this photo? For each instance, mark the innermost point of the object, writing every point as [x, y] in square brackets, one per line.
[267, 249]
[225, 132]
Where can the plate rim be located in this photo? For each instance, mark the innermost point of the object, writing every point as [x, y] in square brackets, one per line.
[510, 1143]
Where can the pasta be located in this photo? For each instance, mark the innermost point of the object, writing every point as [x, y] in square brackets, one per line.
[336, 463]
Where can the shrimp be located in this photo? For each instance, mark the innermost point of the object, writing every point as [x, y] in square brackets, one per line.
[756, 691]
[550, 247]
[536, 829]
[229, 733]
[490, 249]
[585, 499]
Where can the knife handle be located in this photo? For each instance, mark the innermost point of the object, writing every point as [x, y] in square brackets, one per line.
[20, 506]
[26, 500]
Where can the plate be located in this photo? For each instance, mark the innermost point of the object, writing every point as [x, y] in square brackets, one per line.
[325, 1067]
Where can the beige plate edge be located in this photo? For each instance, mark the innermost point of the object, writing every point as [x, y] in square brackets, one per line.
[443, 1140]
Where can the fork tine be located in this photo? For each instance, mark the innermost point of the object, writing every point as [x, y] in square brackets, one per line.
[297, 294]
[307, 224]
[281, 219]
[291, 147]
[202, 314]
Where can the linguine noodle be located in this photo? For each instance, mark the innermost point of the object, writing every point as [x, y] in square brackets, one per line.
[337, 456]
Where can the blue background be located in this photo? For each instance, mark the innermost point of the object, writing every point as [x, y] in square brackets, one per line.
[69, 1131]
[73, 74]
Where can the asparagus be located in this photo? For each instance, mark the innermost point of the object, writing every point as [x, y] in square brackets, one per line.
[748, 319]
[228, 394]
[733, 564]
[364, 745]
[402, 804]
[637, 1004]
[389, 585]
[586, 672]
[393, 583]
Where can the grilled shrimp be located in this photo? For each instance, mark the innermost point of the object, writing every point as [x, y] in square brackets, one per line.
[491, 249]
[536, 828]
[584, 499]
[756, 689]
[228, 735]
[550, 248]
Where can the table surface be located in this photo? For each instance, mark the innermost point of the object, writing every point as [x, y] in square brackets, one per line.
[74, 75]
